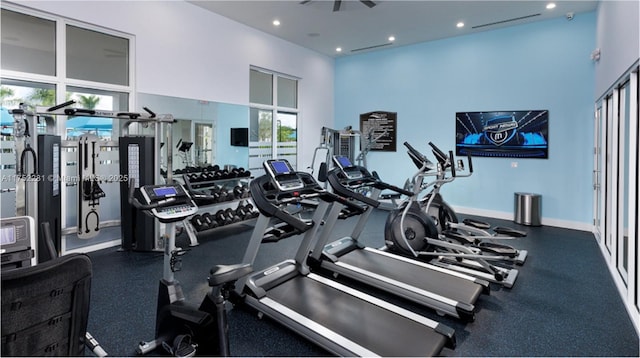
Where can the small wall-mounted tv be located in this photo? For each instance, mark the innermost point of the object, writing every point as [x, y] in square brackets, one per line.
[508, 134]
[240, 137]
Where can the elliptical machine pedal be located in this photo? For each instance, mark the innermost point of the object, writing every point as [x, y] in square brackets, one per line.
[182, 346]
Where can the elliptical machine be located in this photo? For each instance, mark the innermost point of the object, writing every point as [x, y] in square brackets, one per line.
[418, 228]
[470, 232]
[181, 329]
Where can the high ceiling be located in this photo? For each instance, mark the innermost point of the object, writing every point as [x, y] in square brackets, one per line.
[356, 27]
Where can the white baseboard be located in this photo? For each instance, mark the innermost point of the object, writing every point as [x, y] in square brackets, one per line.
[575, 225]
[96, 247]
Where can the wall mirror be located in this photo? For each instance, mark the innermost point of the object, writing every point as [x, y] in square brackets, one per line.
[207, 125]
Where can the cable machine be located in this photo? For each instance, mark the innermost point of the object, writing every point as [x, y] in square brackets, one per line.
[138, 156]
[344, 142]
[37, 178]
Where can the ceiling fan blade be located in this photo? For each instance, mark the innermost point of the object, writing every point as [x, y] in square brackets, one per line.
[369, 3]
[304, 2]
[336, 5]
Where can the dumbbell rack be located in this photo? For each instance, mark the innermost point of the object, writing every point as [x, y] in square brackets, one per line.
[231, 204]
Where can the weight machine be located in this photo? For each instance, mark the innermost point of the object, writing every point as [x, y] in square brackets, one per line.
[334, 142]
[37, 175]
[138, 156]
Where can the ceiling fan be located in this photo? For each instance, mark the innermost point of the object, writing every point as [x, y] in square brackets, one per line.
[338, 3]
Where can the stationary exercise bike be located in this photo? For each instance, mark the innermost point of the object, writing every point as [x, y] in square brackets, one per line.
[418, 228]
[181, 329]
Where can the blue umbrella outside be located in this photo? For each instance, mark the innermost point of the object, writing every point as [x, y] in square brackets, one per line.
[6, 119]
[90, 123]
[78, 133]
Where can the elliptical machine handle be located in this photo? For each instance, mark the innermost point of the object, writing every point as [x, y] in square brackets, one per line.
[415, 152]
[442, 158]
[453, 167]
[470, 163]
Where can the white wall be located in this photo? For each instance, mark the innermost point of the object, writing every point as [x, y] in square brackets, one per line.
[185, 51]
[618, 38]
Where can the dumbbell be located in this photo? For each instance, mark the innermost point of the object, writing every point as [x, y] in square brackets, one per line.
[231, 214]
[210, 176]
[219, 175]
[224, 195]
[251, 213]
[192, 177]
[221, 218]
[215, 192]
[240, 191]
[247, 212]
[240, 212]
[199, 223]
[210, 220]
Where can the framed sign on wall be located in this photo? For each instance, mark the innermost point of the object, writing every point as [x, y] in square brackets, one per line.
[379, 130]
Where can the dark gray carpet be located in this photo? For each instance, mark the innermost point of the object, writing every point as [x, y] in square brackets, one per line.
[564, 302]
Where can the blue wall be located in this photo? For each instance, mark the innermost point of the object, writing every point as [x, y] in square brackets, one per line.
[231, 116]
[543, 65]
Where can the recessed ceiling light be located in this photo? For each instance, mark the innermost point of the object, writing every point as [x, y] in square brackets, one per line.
[551, 6]
[276, 22]
[460, 24]
[338, 49]
[392, 38]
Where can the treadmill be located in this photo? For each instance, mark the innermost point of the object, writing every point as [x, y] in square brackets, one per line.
[340, 319]
[446, 291]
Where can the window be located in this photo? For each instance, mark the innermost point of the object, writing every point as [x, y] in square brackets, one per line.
[98, 57]
[617, 155]
[89, 98]
[273, 128]
[28, 43]
[47, 60]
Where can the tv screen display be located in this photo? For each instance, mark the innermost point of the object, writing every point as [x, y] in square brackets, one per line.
[509, 134]
[240, 137]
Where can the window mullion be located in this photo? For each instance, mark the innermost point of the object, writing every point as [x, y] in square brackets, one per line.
[274, 123]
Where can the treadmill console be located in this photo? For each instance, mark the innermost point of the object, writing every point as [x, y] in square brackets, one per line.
[17, 235]
[345, 165]
[171, 202]
[283, 175]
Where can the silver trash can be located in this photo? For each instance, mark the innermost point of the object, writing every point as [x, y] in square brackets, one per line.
[527, 209]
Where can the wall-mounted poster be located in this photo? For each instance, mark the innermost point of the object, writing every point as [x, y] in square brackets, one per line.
[510, 134]
[379, 130]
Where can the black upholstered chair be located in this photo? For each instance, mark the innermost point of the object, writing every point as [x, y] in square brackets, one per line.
[45, 308]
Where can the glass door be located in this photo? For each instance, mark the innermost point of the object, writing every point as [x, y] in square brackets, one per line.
[608, 170]
[623, 182]
[597, 173]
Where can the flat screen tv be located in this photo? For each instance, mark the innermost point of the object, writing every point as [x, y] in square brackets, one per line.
[507, 134]
[240, 137]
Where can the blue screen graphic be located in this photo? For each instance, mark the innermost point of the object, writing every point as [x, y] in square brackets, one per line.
[344, 161]
[165, 191]
[511, 134]
[280, 167]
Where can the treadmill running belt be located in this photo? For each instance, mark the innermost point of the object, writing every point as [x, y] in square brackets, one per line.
[443, 284]
[381, 331]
